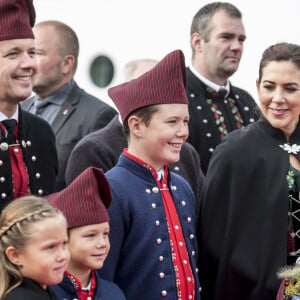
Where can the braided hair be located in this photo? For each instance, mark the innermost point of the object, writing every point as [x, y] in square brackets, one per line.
[15, 224]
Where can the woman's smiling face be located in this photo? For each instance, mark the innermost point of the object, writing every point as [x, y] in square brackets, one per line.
[279, 94]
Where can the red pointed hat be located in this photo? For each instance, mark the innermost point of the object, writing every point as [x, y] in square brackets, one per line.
[164, 84]
[85, 199]
[16, 19]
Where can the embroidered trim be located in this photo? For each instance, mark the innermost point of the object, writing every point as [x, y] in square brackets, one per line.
[219, 118]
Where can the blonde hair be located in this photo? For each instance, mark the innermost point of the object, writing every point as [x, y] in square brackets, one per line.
[15, 223]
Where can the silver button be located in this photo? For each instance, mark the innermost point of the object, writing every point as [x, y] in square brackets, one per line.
[33, 158]
[38, 175]
[225, 101]
[28, 143]
[176, 168]
[251, 120]
[197, 270]
[174, 188]
[180, 244]
[204, 121]
[183, 203]
[158, 241]
[3, 195]
[199, 107]
[191, 236]
[148, 191]
[237, 96]
[161, 258]
[1, 163]
[23, 144]
[190, 297]
[2, 179]
[161, 275]
[155, 190]
[189, 219]
[246, 108]
[208, 135]
[189, 279]
[193, 253]
[185, 262]
[157, 223]
[40, 192]
[3, 147]
[192, 95]
[164, 293]
[176, 227]
[153, 205]
[16, 150]
[211, 150]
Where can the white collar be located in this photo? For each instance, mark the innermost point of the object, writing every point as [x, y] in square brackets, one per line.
[14, 116]
[209, 83]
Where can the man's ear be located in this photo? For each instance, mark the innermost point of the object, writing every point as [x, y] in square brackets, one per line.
[14, 256]
[68, 64]
[135, 126]
[196, 42]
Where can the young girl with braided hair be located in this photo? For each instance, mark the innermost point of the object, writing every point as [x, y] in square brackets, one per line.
[33, 249]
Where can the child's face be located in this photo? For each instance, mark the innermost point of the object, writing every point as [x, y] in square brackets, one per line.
[89, 246]
[160, 143]
[45, 256]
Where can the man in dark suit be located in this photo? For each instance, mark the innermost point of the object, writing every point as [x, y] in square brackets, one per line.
[71, 112]
[215, 106]
[28, 158]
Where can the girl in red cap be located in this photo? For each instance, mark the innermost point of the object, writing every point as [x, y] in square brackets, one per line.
[33, 249]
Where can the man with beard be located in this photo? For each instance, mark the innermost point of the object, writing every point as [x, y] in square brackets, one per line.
[215, 106]
[71, 112]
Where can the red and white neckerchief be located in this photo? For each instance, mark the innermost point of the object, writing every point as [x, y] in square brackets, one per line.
[185, 281]
[81, 293]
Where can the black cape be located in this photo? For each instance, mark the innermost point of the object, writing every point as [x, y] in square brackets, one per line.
[242, 228]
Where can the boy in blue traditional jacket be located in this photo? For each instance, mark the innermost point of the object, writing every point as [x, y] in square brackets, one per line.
[84, 204]
[152, 215]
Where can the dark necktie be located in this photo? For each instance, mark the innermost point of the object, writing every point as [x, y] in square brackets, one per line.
[222, 92]
[10, 126]
[39, 107]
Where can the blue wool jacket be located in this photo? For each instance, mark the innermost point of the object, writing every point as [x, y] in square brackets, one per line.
[140, 260]
[105, 290]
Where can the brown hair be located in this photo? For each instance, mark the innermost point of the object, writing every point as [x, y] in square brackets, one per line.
[279, 52]
[144, 113]
[15, 222]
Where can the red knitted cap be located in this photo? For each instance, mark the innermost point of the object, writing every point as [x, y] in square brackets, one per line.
[85, 199]
[16, 19]
[163, 84]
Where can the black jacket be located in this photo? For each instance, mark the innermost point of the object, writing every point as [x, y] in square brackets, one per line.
[204, 132]
[37, 143]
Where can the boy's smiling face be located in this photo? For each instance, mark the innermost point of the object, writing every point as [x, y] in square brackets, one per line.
[160, 142]
[89, 246]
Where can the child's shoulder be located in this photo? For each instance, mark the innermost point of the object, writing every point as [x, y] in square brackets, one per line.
[110, 290]
[28, 289]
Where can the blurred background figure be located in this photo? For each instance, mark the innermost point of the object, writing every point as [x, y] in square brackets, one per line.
[71, 112]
